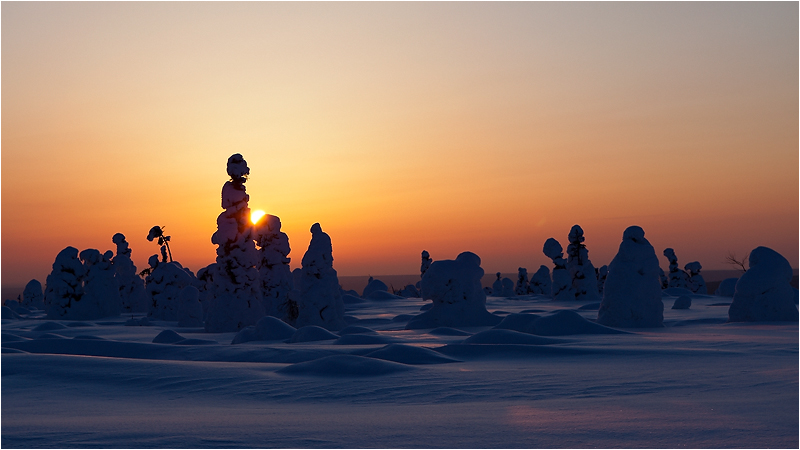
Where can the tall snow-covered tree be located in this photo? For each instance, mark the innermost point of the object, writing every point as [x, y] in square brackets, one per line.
[677, 277]
[562, 280]
[320, 300]
[584, 281]
[273, 268]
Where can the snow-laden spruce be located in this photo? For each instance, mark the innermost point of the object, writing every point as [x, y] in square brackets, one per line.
[632, 293]
[696, 283]
[497, 286]
[764, 292]
[454, 286]
[164, 285]
[562, 280]
[190, 311]
[584, 279]
[508, 287]
[131, 286]
[540, 282]
[426, 263]
[273, 268]
[237, 291]
[522, 287]
[33, 295]
[602, 273]
[677, 277]
[320, 301]
[82, 289]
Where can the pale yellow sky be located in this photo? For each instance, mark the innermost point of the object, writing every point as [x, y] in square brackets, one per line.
[399, 127]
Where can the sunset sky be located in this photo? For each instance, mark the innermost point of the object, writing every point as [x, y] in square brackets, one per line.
[399, 127]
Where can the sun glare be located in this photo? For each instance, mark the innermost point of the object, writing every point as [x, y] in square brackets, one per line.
[256, 215]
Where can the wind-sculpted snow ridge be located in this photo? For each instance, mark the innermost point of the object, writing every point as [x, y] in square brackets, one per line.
[447, 331]
[632, 294]
[320, 301]
[510, 337]
[559, 323]
[454, 286]
[365, 339]
[409, 354]
[267, 329]
[346, 366]
[237, 301]
[764, 292]
[311, 333]
[355, 329]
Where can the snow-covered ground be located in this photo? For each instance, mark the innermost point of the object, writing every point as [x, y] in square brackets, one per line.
[697, 382]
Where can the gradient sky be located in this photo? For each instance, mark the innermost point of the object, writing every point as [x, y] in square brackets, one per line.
[399, 127]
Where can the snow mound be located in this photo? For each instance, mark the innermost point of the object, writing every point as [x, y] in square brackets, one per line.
[134, 322]
[677, 291]
[426, 307]
[344, 366]
[727, 287]
[509, 337]
[310, 333]
[590, 307]
[12, 338]
[374, 285]
[354, 329]
[382, 295]
[565, 322]
[348, 299]
[167, 337]
[517, 322]
[51, 336]
[268, 328]
[403, 317]
[89, 337]
[447, 331]
[364, 339]
[632, 291]
[682, 302]
[80, 324]
[409, 354]
[195, 342]
[457, 294]
[49, 326]
[764, 293]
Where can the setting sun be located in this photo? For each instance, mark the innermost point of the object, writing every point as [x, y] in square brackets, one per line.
[256, 215]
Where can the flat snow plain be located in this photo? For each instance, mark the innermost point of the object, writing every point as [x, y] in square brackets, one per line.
[697, 382]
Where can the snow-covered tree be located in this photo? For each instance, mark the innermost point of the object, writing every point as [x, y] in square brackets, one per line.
[540, 282]
[562, 280]
[82, 289]
[190, 310]
[163, 241]
[320, 300]
[632, 293]
[131, 286]
[522, 287]
[508, 287]
[454, 286]
[237, 290]
[100, 286]
[584, 281]
[273, 268]
[764, 293]
[602, 273]
[677, 277]
[426, 263]
[662, 277]
[64, 285]
[497, 286]
[696, 282]
[33, 295]
[164, 285]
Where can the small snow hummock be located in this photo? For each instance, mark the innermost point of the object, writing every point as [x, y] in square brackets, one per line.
[632, 294]
[320, 301]
[584, 279]
[540, 282]
[273, 268]
[522, 287]
[131, 286]
[682, 302]
[33, 295]
[164, 286]
[677, 277]
[764, 292]
[454, 286]
[82, 290]
[727, 287]
[562, 280]
[696, 283]
[237, 301]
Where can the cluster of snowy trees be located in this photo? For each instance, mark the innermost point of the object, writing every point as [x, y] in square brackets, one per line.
[251, 279]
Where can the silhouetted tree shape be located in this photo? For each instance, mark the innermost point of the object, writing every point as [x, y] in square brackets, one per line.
[163, 241]
[734, 261]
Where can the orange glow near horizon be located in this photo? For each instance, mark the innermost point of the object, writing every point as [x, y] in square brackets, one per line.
[401, 127]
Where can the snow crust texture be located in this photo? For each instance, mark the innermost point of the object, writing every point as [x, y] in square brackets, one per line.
[764, 292]
[632, 293]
